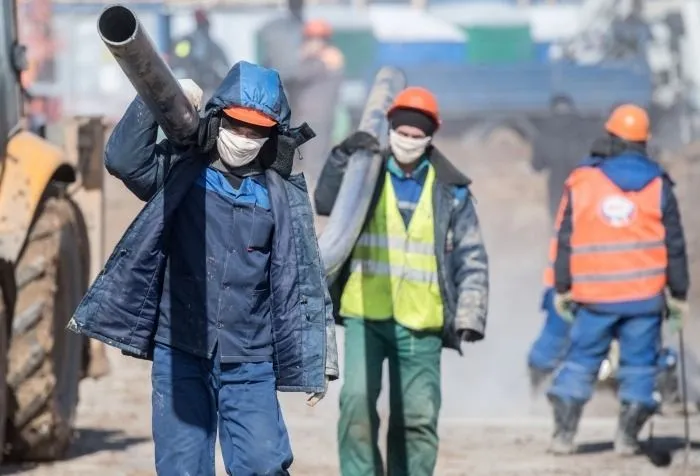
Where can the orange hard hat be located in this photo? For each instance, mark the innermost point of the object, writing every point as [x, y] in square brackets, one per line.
[249, 116]
[318, 29]
[629, 122]
[418, 99]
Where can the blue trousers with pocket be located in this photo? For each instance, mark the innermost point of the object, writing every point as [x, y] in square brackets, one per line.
[549, 348]
[193, 397]
[591, 334]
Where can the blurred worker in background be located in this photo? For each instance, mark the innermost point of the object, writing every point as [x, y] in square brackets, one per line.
[213, 282]
[316, 92]
[198, 56]
[562, 141]
[417, 280]
[281, 41]
[550, 346]
[620, 265]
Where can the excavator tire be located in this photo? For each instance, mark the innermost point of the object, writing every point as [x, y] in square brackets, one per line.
[45, 361]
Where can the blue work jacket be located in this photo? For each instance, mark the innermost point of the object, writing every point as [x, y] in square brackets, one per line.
[121, 308]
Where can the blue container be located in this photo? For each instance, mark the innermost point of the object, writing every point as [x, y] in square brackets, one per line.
[416, 53]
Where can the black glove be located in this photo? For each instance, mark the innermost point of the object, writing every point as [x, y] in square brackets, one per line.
[359, 140]
[470, 335]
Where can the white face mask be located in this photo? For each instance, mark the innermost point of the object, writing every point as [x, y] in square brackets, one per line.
[407, 149]
[236, 150]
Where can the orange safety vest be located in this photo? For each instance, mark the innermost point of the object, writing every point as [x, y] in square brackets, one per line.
[618, 250]
[548, 278]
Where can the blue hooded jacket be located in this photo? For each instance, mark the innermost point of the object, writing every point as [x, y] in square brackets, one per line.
[632, 171]
[121, 308]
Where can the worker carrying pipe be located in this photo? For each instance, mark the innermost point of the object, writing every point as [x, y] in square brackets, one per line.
[218, 280]
[620, 265]
[417, 280]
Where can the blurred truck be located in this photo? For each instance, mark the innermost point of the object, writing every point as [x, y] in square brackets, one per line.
[50, 244]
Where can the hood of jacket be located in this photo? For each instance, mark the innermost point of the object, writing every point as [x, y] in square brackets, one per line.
[259, 88]
[631, 171]
[255, 87]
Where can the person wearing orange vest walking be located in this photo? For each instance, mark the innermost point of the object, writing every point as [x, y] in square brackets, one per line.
[416, 281]
[621, 265]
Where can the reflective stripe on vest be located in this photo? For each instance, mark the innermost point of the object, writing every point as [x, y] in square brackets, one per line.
[393, 270]
[618, 252]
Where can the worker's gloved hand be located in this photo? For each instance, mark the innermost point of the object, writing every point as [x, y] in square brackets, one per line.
[193, 92]
[314, 398]
[469, 335]
[564, 306]
[359, 140]
[678, 312]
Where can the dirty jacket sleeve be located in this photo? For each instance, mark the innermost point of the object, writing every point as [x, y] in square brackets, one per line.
[332, 368]
[677, 275]
[562, 263]
[133, 155]
[471, 271]
[329, 181]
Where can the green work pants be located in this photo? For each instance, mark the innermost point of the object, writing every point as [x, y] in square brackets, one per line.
[414, 396]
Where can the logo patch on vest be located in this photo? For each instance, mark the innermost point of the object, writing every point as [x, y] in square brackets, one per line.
[617, 210]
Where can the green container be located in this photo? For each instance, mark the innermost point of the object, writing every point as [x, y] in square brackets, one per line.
[499, 44]
[358, 47]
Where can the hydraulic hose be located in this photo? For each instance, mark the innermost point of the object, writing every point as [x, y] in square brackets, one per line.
[353, 200]
[132, 47]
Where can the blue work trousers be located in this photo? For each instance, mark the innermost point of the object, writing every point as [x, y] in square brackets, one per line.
[550, 346]
[192, 396]
[591, 334]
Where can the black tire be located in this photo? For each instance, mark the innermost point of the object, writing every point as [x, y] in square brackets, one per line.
[45, 361]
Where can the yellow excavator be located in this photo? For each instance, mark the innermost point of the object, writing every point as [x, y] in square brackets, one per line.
[50, 245]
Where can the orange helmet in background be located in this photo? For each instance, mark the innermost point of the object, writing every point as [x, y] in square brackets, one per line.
[418, 99]
[629, 122]
[318, 29]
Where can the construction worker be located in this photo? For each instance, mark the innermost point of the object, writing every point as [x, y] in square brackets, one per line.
[317, 90]
[550, 346]
[563, 140]
[417, 280]
[213, 283]
[197, 56]
[281, 41]
[620, 264]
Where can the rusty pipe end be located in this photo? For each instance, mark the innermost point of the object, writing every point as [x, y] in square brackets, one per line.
[117, 25]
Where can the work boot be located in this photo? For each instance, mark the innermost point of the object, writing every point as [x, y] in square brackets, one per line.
[632, 419]
[537, 378]
[566, 417]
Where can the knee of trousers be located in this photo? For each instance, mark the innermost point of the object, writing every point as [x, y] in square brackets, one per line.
[574, 381]
[547, 352]
[356, 414]
[637, 384]
[420, 410]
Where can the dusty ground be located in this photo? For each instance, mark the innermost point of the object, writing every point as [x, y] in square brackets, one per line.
[489, 426]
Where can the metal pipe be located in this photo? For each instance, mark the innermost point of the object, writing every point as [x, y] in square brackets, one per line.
[132, 47]
[352, 204]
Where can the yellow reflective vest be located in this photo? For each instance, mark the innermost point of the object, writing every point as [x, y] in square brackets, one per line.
[393, 268]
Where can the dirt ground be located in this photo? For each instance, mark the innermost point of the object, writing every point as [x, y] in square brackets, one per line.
[489, 424]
